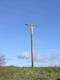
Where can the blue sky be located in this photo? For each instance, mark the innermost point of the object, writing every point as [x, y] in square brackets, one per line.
[15, 38]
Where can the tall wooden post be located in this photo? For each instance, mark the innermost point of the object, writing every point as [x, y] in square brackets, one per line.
[32, 55]
[32, 47]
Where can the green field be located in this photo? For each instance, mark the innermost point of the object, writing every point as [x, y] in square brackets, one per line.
[28, 73]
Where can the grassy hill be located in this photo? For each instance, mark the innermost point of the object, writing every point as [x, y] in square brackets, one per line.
[24, 73]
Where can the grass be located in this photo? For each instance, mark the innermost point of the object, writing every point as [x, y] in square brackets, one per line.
[24, 73]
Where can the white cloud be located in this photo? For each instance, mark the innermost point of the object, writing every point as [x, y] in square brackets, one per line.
[39, 57]
[24, 55]
[52, 64]
[44, 60]
[53, 56]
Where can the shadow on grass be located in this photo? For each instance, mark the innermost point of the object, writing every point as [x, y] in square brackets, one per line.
[58, 79]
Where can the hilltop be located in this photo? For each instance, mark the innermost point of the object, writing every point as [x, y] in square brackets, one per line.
[28, 73]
